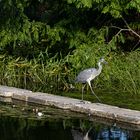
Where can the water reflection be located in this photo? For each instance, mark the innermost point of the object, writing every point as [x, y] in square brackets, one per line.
[106, 133]
[114, 133]
[17, 123]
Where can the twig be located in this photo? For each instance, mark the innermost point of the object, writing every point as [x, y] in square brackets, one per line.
[125, 29]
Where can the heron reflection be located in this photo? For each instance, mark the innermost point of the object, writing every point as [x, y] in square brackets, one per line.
[107, 133]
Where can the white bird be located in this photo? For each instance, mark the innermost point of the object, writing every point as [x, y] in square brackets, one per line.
[87, 75]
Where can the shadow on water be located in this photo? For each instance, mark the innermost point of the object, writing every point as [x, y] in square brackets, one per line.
[21, 122]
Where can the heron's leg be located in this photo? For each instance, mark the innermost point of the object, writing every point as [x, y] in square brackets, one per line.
[83, 86]
[93, 91]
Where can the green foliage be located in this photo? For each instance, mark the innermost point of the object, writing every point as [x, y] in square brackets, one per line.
[90, 50]
[122, 73]
[37, 74]
[63, 24]
[45, 43]
[134, 5]
[113, 7]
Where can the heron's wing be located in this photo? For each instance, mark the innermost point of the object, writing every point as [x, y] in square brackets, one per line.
[86, 74]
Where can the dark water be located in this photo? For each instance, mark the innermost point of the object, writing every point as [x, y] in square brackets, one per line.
[21, 122]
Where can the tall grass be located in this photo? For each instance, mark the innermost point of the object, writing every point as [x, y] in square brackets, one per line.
[122, 74]
[39, 74]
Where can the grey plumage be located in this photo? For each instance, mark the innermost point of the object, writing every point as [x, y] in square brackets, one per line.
[87, 75]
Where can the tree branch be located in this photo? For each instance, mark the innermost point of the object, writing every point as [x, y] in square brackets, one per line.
[130, 28]
[125, 29]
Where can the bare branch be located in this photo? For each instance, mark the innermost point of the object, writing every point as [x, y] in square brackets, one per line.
[125, 29]
[130, 28]
[126, 23]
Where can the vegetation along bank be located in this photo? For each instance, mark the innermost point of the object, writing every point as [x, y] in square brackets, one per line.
[44, 44]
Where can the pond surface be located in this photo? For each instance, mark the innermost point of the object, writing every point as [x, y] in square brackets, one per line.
[23, 122]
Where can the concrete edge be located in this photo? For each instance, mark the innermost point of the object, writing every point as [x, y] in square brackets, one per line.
[94, 109]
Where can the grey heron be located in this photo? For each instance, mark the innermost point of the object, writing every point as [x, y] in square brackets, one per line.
[87, 75]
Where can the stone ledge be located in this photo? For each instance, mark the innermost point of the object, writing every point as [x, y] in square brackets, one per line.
[93, 109]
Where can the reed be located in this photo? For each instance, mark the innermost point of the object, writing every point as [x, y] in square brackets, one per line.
[46, 74]
[122, 73]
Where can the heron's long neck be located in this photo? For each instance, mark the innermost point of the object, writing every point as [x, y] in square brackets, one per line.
[99, 67]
